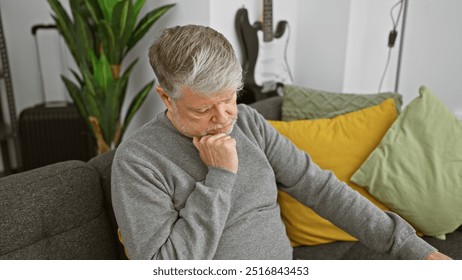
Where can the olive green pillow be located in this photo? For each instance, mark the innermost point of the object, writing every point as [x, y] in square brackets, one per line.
[417, 168]
[301, 103]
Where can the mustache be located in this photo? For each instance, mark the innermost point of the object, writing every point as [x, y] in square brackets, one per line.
[231, 122]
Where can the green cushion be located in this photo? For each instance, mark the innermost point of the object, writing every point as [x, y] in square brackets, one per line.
[304, 103]
[417, 168]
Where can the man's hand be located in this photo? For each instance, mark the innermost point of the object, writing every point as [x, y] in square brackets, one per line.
[437, 256]
[218, 150]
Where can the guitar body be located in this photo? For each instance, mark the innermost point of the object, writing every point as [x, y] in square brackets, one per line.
[247, 34]
[271, 64]
[265, 65]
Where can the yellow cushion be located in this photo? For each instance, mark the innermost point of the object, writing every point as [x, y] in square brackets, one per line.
[340, 144]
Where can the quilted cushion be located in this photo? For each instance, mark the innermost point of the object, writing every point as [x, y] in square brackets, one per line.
[305, 103]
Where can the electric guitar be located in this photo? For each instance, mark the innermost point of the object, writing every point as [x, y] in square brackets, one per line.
[265, 64]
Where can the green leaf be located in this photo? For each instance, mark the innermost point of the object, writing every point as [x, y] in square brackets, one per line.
[115, 99]
[76, 94]
[65, 25]
[106, 74]
[94, 10]
[86, 40]
[136, 103]
[122, 25]
[145, 24]
[108, 41]
[124, 81]
[77, 77]
[89, 83]
[107, 6]
[122, 12]
[76, 7]
[103, 73]
[114, 103]
[91, 103]
[112, 111]
[79, 8]
[137, 7]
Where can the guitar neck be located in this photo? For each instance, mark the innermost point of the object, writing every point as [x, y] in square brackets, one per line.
[267, 20]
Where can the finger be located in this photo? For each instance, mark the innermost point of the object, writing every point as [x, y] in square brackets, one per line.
[196, 142]
[213, 137]
[217, 136]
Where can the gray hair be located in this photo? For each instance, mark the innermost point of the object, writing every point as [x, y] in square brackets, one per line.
[195, 57]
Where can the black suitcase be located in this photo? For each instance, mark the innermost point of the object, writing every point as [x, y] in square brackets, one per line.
[53, 131]
[50, 134]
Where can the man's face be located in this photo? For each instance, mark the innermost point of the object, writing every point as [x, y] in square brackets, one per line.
[197, 115]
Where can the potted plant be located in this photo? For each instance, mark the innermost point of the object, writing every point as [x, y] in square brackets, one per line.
[99, 34]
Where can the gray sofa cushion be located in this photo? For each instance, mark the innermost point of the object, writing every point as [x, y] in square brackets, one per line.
[270, 108]
[54, 212]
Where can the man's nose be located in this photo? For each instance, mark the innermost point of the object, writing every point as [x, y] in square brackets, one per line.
[220, 115]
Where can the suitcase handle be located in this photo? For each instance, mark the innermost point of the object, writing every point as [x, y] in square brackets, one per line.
[37, 27]
[34, 30]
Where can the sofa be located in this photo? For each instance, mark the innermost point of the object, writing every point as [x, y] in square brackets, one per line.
[64, 211]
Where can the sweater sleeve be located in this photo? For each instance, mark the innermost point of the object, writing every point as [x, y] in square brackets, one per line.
[332, 199]
[150, 225]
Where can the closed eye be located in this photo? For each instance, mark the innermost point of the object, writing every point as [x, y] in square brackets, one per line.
[202, 112]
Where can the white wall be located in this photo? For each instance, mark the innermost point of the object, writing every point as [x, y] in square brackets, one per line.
[367, 46]
[321, 43]
[342, 45]
[432, 53]
[336, 45]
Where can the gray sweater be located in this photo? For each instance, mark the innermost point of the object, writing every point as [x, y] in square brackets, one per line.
[169, 205]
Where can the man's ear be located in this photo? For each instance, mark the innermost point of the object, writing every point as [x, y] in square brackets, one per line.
[165, 97]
